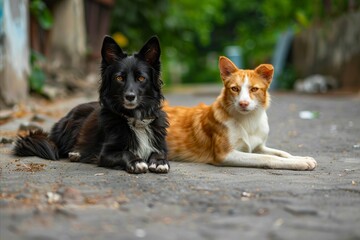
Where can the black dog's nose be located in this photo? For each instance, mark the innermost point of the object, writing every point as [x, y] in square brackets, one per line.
[130, 97]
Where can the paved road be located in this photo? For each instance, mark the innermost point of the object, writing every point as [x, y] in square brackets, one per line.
[62, 200]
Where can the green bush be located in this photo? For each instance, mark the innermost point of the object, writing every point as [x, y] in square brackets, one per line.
[37, 76]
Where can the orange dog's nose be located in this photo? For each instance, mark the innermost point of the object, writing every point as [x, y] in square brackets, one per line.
[244, 104]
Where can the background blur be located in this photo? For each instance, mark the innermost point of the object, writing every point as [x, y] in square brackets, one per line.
[52, 47]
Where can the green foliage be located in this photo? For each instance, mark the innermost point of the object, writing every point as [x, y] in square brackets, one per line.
[178, 23]
[193, 21]
[201, 72]
[42, 14]
[189, 29]
[181, 25]
[287, 78]
[37, 77]
[258, 23]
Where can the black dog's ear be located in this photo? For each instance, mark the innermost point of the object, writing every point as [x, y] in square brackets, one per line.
[111, 51]
[150, 52]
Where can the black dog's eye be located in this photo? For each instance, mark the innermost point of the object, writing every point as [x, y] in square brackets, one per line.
[119, 78]
[141, 78]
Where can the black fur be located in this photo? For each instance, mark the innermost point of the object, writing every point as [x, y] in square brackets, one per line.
[105, 132]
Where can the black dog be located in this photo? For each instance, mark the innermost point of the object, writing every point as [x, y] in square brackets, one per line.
[126, 129]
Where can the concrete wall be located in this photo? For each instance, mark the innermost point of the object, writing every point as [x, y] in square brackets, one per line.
[14, 52]
[332, 49]
[68, 34]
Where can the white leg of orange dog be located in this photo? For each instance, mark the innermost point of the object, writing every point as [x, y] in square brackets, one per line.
[241, 159]
[272, 151]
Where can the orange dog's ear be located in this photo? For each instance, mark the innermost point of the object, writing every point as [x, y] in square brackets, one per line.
[266, 71]
[227, 67]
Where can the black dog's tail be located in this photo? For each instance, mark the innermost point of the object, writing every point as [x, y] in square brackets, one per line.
[37, 143]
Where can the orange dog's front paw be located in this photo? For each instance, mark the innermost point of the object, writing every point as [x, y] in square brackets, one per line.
[306, 163]
[311, 163]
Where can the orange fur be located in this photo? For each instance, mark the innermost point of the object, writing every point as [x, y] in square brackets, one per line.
[197, 134]
[233, 130]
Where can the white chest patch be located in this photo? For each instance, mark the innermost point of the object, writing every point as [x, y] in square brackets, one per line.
[244, 93]
[247, 133]
[144, 137]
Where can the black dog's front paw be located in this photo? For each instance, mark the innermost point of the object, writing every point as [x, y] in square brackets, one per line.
[158, 165]
[137, 166]
[74, 156]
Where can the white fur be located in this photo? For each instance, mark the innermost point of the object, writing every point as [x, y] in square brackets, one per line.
[145, 139]
[74, 156]
[141, 166]
[240, 159]
[247, 137]
[161, 168]
[152, 166]
[244, 96]
[244, 93]
[246, 133]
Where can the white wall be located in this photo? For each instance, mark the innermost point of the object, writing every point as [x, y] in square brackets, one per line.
[14, 52]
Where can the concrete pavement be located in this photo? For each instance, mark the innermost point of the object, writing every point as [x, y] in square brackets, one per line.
[43, 199]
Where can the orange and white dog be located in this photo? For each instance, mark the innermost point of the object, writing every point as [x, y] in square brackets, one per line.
[233, 130]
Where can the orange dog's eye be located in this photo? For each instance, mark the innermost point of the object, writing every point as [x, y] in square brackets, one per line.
[119, 78]
[235, 89]
[254, 89]
[141, 78]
